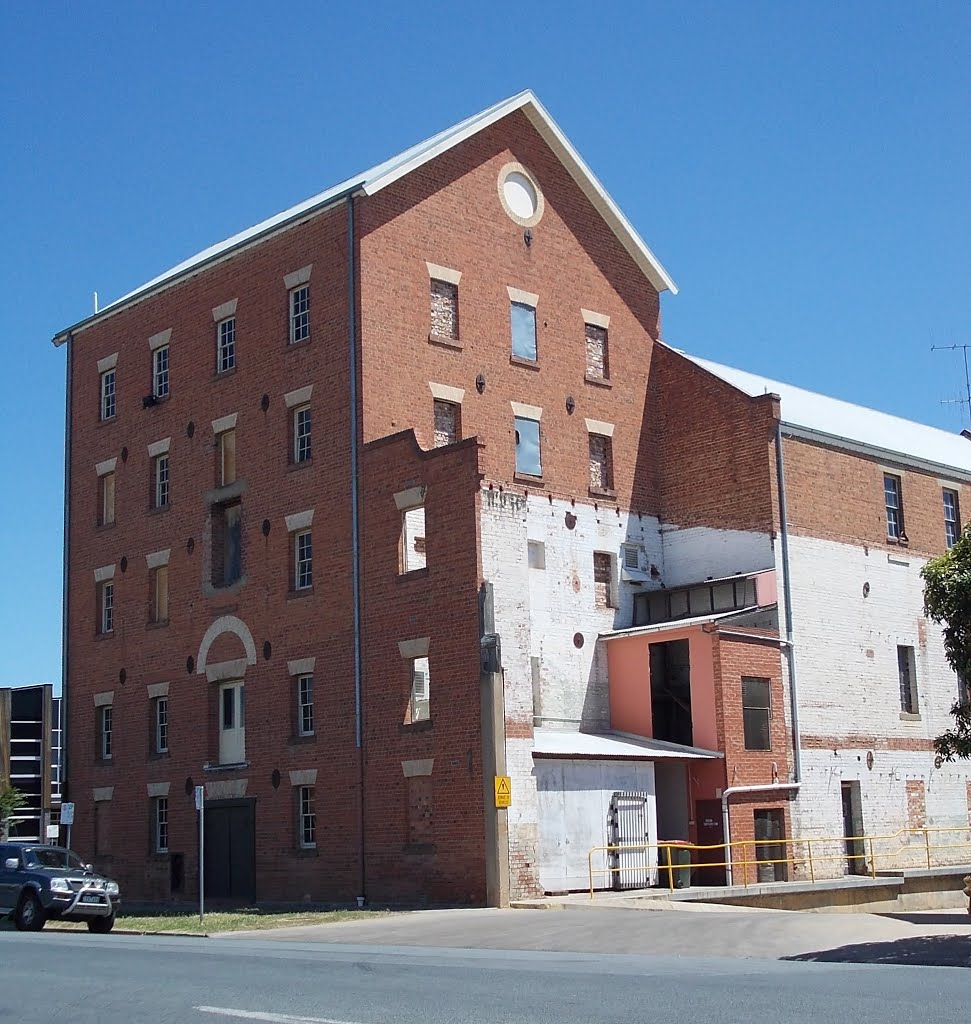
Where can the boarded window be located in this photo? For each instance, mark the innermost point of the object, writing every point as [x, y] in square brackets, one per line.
[107, 484]
[226, 470]
[160, 594]
[907, 673]
[601, 463]
[446, 423]
[445, 309]
[603, 572]
[420, 823]
[597, 366]
[755, 714]
[102, 828]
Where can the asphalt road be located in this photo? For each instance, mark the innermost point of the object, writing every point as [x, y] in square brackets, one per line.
[80, 978]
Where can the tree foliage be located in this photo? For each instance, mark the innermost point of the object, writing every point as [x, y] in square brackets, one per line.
[10, 800]
[947, 600]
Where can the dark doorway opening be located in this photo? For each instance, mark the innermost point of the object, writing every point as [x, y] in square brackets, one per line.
[230, 872]
[711, 832]
[853, 828]
[671, 692]
[770, 831]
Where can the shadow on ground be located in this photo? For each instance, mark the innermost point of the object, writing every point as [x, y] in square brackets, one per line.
[952, 917]
[921, 951]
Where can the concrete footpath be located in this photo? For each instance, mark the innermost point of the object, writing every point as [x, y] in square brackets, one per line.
[922, 938]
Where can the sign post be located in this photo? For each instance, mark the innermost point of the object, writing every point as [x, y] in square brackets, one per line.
[201, 808]
[67, 818]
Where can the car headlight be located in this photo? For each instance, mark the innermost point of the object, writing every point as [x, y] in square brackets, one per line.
[60, 885]
[112, 889]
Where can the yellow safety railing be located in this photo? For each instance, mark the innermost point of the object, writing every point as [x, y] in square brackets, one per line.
[868, 853]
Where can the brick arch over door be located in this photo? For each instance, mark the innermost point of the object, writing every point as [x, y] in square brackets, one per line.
[226, 624]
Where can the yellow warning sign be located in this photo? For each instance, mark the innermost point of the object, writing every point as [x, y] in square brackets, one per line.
[503, 791]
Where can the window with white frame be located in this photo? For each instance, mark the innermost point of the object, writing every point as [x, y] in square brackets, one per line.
[105, 722]
[160, 480]
[161, 830]
[160, 372]
[528, 457]
[893, 499]
[308, 817]
[302, 446]
[300, 314]
[952, 517]
[523, 322]
[305, 704]
[160, 717]
[226, 344]
[303, 557]
[106, 606]
[108, 406]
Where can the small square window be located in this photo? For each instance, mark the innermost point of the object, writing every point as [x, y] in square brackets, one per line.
[161, 831]
[227, 458]
[601, 463]
[756, 696]
[160, 595]
[302, 435]
[105, 724]
[300, 314]
[108, 406]
[305, 705]
[952, 518]
[160, 481]
[447, 416]
[106, 606]
[528, 460]
[523, 320]
[893, 500]
[106, 486]
[445, 309]
[303, 560]
[308, 817]
[160, 715]
[598, 366]
[160, 372]
[226, 344]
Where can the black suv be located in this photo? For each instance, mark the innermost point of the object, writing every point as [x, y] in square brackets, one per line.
[48, 883]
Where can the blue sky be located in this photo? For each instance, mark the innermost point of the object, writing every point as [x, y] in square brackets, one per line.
[801, 169]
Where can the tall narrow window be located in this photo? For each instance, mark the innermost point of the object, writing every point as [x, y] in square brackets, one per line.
[603, 579]
[907, 673]
[305, 705]
[303, 560]
[601, 463]
[447, 419]
[528, 460]
[893, 499]
[105, 723]
[160, 594]
[108, 406]
[232, 723]
[160, 372]
[106, 606]
[160, 480]
[755, 714]
[227, 458]
[227, 544]
[413, 552]
[226, 344]
[598, 367]
[161, 816]
[308, 818]
[445, 309]
[106, 485]
[952, 517]
[160, 714]
[300, 314]
[523, 321]
[302, 446]
[420, 696]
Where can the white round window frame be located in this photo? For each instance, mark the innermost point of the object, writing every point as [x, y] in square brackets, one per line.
[524, 222]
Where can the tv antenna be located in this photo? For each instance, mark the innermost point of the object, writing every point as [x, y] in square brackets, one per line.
[967, 378]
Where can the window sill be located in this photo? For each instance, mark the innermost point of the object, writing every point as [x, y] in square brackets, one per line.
[104, 527]
[900, 542]
[603, 492]
[298, 595]
[237, 767]
[412, 574]
[161, 856]
[158, 755]
[161, 624]
[305, 851]
[600, 382]
[104, 636]
[295, 467]
[906, 716]
[443, 342]
[526, 478]
[421, 726]
[110, 419]
[419, 848]
[224, 589]
[226, 492]
[302, 343]
[156, 510]
[103, 762]
[301, 740]
[150, 401]
[529, 364]
[221, 374]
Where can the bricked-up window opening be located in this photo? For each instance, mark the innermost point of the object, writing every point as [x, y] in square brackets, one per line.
[671, 691]
[227, 544]
[916, 806]
[418, 705]
[598, 366]
[447, 417]
[160, 481]
[303, 560]
[102, 828]
[305, 705]
[232, 723]
[952, 517]
[300, 314]
[108, 397]
[160, 372]
[412, 544]
[302, 445]
[226, 469]
[528, 456]
[106, 485]
[226, 344]
[160, 717]
[907, 671]
[895, 508]
[160, 595]
[105, 722]
[601, 463]
[161, 831]
[603, 579]
[445, 309]
[106, 607]
[536, 554]
[755, 714]
[523, 321]
[420, 818]
[308, 817]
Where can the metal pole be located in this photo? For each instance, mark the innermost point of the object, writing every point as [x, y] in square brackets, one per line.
[69, 837]
[201, 808]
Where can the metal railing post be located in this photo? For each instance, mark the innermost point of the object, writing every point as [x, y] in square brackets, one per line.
[927, 846]
[812, 866]
[670, 869]
[873, 859]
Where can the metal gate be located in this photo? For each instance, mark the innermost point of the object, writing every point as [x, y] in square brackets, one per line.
[629, 864]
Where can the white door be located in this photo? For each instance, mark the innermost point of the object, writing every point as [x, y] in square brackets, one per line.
[232, 723]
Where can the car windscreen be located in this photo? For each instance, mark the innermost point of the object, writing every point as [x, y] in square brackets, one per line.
[51, 857]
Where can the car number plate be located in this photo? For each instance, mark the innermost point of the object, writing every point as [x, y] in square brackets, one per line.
[90, 899]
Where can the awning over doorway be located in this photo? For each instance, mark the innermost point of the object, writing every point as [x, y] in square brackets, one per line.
[612, 746]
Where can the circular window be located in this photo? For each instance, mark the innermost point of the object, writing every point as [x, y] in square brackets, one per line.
[520, 195]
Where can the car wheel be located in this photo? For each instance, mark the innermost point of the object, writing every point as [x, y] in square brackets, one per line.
[29, 915]
[101, 925]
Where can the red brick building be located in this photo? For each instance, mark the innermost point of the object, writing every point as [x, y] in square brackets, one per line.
[361, 504]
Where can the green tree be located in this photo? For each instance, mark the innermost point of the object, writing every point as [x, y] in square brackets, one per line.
[10, 800]
[947, 600]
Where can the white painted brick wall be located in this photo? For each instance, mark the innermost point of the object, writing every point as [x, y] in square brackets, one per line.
[697, 553]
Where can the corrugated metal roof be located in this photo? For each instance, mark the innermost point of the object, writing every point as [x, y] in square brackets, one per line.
[612, 746]
[380, 176]
[837, 422]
